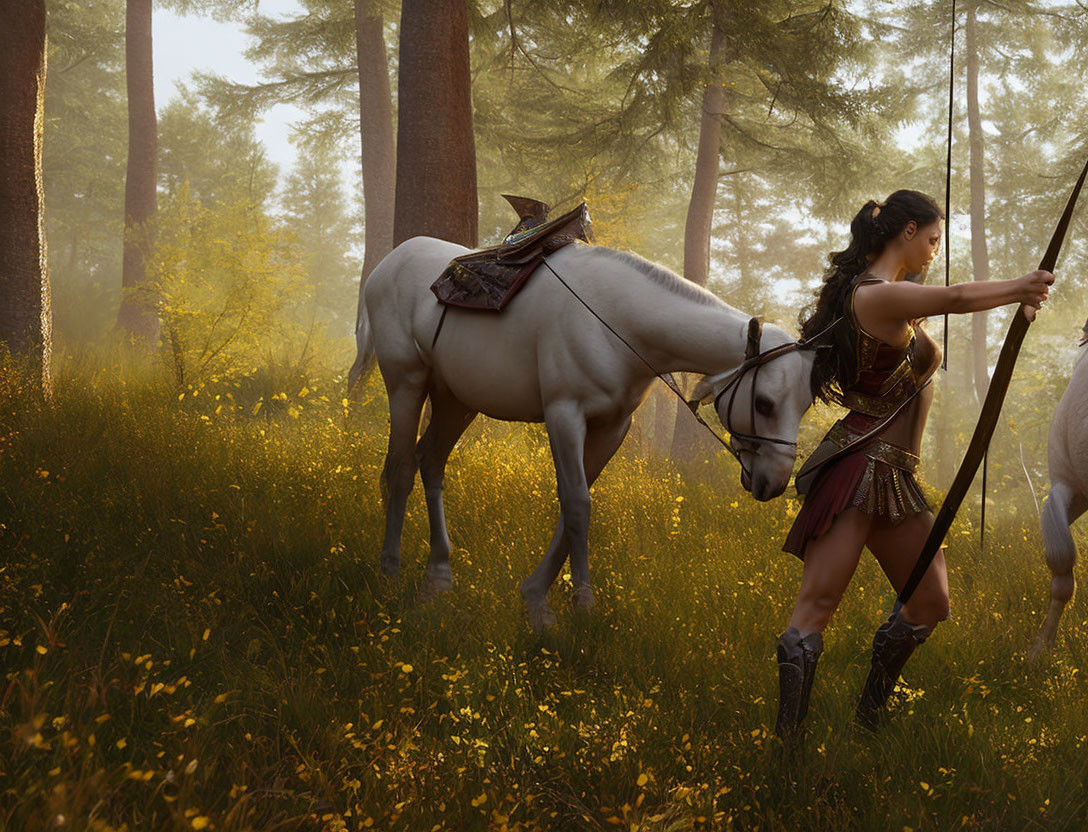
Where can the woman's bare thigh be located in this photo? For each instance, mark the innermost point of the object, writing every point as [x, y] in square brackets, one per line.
[897, 548]
[830, 561]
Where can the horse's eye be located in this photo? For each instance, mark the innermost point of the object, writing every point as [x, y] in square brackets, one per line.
[764, 406]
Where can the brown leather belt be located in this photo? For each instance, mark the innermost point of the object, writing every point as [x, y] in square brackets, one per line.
[876, 448]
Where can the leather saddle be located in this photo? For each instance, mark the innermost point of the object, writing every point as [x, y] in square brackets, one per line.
[489, 279]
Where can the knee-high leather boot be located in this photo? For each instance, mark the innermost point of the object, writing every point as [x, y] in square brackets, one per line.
[797, 659]
[893, 644]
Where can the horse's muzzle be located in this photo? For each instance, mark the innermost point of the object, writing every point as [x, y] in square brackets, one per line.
[764, 489]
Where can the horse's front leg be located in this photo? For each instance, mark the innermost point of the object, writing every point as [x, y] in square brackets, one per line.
[602, 442]
[534, 589]
[567, 435]
[599, 446]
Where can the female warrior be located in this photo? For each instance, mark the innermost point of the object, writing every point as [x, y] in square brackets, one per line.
[863, 491]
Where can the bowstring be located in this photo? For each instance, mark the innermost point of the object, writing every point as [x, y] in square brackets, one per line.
[948, 178]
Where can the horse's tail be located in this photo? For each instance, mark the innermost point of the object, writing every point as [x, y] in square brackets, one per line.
[364, 346]
[1061, 549]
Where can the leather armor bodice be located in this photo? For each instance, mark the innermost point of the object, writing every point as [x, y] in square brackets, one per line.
[887, 375]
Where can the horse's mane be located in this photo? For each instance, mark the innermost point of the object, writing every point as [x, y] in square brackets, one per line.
[662, 276]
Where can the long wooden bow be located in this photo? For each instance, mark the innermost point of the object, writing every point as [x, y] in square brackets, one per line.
[991, 409]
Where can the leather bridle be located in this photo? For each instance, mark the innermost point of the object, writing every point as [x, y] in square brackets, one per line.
[754, 361]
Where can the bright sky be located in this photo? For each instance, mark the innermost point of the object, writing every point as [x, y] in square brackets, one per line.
[186, 44]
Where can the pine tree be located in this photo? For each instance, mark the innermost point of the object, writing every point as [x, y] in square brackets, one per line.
[436, 147]
[980, 256]
[316, 212]
[137, 315]
[25, 313]
[379, 154]
[218, 159]
[332, 61]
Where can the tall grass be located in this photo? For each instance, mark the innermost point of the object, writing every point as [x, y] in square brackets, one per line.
[194, 635]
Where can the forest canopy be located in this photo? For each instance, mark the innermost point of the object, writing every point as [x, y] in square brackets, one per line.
[813, 108]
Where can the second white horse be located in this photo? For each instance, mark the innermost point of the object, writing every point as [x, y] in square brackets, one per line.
[1067, 457]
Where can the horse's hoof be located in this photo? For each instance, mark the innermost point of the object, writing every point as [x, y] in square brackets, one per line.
[1037, 649]
[391, 568]
[583, 598]
[439, 580]
[541, 617]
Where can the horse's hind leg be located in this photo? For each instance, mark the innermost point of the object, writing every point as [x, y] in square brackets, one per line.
[599, 447]
[1063, 506]
[406, 396]
[449, 418]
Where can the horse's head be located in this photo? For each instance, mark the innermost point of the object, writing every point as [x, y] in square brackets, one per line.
[761, 404]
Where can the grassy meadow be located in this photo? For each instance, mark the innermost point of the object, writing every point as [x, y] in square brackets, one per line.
[194, 634]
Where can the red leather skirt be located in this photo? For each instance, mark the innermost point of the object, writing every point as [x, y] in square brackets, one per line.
[878, 480]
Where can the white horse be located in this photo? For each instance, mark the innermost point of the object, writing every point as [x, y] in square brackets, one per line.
[546, 358]
[1067, 457]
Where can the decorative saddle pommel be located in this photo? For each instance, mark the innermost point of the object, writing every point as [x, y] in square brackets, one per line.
[490, 278]
[531, 212]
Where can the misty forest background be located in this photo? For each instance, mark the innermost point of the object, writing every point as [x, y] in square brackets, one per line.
[193, 633]
[728, 142]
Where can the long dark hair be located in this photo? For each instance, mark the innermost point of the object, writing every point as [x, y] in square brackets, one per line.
[835, 369]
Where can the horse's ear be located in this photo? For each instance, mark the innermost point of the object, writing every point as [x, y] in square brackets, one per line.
[755, 335]
[710, 386]
[704, 389]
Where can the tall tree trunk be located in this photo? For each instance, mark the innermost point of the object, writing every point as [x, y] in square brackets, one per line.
[980, 258]
[138, 315]
[26, 322]
[73, 252]
[436, 150]
[687, 442]
[379, 151]
[742, 250]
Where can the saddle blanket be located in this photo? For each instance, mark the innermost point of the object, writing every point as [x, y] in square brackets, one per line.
[489, 279]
